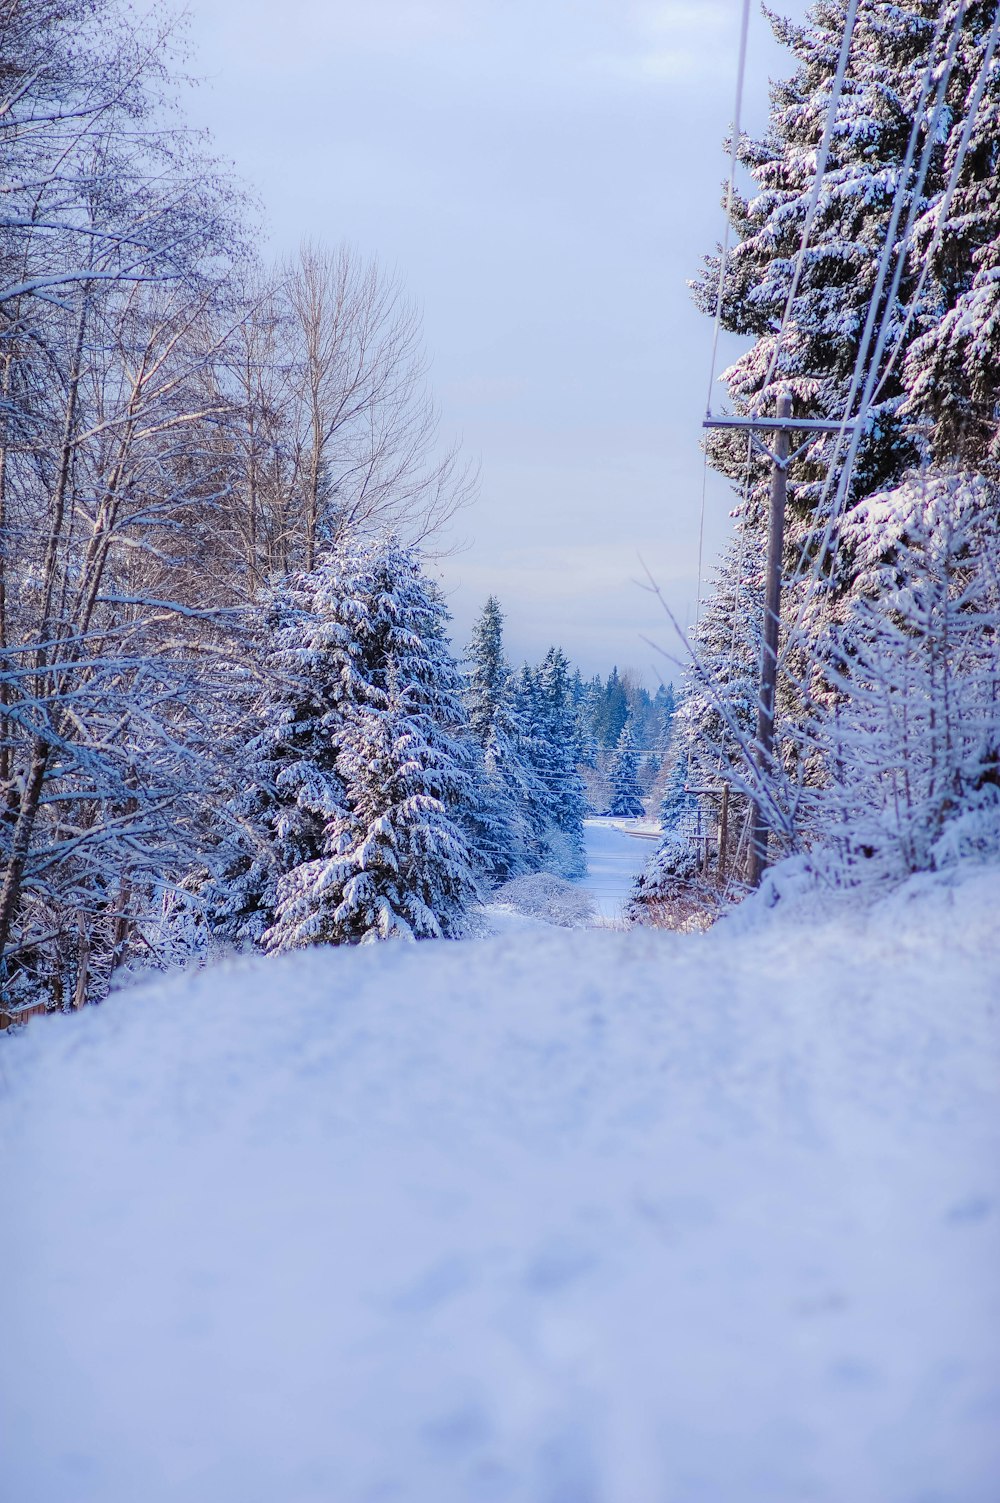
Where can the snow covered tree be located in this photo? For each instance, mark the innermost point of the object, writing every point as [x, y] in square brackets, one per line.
[678, 808]
[555, 762]
[396, 864]
[284, 756]
[910, 751]
[820, 320]
[353, 824]
[813, 352]
[612, 710]
[118, 236]
[488, 671]
[626, 798]
[664, 708]
[951, 371]
[508, 794]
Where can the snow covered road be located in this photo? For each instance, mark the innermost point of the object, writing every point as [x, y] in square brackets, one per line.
[558, 1217]
[617, 851]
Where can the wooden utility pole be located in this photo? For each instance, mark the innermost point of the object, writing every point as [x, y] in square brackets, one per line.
[781, 425]
[769, 647]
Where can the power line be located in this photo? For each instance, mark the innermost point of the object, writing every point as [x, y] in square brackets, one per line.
[730, 192]
[942, 209]
[822, 158]
[890, 245]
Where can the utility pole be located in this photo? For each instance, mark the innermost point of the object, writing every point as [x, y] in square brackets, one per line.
[782, 426]
[769, 648]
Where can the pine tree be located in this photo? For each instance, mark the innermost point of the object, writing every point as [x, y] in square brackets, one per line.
[626, 799]
[287, 765]
[664, 706]
[678, 808]
[501, 821]
[352, 826]
[396, 864]
[952, 367]
[557, 763]
[488, 672]
[814, 351]
[613, 711]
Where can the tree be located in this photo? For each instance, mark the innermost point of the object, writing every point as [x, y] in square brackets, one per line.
[365, 780]
[118, 235]
[612, 711]
[365, 426]
[396, 864]
[910, 753]
[626, 798]
[504, 814]
[555, 763]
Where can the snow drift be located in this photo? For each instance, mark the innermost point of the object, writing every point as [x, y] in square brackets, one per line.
[556, 1217]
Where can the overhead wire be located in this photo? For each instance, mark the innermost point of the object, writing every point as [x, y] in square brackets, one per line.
[812, 209]
[942, 209]
[855, 425]
[723, 261]
[822, 158]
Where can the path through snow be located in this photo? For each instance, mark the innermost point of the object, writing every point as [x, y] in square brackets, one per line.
[617, 851]
[558, 1217]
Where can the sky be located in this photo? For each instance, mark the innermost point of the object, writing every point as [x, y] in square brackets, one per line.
[544, 176]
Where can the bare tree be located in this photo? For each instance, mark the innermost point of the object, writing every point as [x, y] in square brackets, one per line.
[366, 426]
[105, 344]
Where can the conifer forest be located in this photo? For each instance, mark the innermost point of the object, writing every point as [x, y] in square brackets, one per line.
[667, 1171]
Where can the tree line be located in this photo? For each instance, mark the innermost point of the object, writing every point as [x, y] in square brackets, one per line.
[868, 290]
[229, 710]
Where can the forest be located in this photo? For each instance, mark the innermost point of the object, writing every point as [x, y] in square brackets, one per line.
[434, 1072]
[231, 712]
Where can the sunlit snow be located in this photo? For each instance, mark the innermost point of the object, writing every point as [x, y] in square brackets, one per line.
[562, 1216]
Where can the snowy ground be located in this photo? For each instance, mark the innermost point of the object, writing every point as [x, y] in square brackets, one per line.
[617, 850]
[556, 1217]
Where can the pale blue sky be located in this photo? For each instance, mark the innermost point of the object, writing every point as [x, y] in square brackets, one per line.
[545, 177]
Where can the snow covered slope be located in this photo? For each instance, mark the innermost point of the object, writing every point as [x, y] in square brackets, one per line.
[558, 1217]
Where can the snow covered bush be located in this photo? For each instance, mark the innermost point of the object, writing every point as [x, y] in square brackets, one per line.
[545, 896]
[671, 893]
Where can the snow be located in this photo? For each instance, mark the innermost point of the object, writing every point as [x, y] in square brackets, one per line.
[561, 1216]
[617, 850]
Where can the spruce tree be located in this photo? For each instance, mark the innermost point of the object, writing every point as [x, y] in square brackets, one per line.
[353, 825]
[562, 781]
[396, 863]
[813, 352]
[626, 798]
[613, 711]
[501, 819]
[285, 768]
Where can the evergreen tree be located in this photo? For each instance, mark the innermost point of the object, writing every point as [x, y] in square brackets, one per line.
[664, 706]
[555, 763]
[678, 808]
[626, 799]
[952, 367]
[286, 765]
[352, 827]
[396, 863]
[613, 711]
[488, 672]
[814, 351]
[501, 822]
